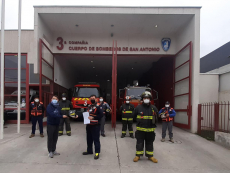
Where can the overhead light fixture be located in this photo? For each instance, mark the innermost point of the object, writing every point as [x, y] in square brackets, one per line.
[156, 26]
[132, 68]
[112, 25]
[96, 74]
[92, 61]
[108, 80]
[93, 67]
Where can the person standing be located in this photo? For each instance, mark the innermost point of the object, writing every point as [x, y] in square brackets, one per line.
[167, 114]
[66, 106]
[53, 120]
[127, 111]
[37, 110]
[146, 115]
[93, 129]
[106, 109]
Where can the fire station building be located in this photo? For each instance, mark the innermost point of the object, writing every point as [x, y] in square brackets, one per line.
[112, 46]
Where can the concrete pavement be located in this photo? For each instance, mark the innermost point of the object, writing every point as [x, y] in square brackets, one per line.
[190, 153]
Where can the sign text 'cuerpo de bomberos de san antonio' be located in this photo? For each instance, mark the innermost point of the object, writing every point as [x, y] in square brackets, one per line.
[83, 46]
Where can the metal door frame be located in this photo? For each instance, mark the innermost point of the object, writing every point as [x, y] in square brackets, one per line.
[189, 107]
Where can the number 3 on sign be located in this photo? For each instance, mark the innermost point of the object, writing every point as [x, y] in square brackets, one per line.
[60, 39]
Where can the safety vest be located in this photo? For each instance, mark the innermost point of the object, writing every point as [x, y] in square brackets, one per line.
[146, 118]
[92, 109]
[36, 110]
[127, 111]
[165, 111]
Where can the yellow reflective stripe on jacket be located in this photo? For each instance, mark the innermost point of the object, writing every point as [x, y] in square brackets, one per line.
[149, 152]
[124, 132]
[145, 117]
[65, 109]
[146, 129]
[130, 131]
[130, 119]
[128, 112]
[139, 152]
[125, 119]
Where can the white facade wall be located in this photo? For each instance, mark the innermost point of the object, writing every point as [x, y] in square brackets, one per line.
[209, 87]
[191, 32]
[224, 93]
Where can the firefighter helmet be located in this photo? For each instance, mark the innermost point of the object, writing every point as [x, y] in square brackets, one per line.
[63, 95]
[146, 94]
[128, 98]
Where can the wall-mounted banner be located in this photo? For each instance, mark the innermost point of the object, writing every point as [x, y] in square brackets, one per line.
[165, 43]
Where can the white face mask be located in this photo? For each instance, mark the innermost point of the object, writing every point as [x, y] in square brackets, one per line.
[36, 100]
[63, 98]
[166, 106]
[101, 100]
[146, 101]
[127, 102]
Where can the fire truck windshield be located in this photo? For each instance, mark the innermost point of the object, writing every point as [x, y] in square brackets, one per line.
[135, 93]
[86, 92]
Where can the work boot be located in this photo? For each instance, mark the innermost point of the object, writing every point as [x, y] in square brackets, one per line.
[163, 139]
[86, 153]
[32, 135]
[69, 134]
[51, 155]
[131, 136]
[171, 140]
[56, 153]
[96, 156]
[123, 135]
[60, 134]
[136, 159]
[103, 135]
[41, 135]
[153, 159]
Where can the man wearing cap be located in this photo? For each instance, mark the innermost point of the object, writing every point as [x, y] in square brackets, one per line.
[167, 113]
[66, 106]
[127, 111]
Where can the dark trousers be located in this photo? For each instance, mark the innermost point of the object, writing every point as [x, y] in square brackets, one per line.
[146, 138]
[93, 136]
[166, 125]
[65, 121]
[103, 125]
[126, 123]
[34, 120]
[52, 137]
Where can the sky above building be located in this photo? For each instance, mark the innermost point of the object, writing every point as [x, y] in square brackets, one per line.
[215, 16]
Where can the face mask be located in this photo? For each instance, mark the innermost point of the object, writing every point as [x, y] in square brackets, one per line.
[166, 106]
[101, 100]
[127, 102]
[92, 101]
[54, 101]
[146, 101]
[63, 98]
[36, 100]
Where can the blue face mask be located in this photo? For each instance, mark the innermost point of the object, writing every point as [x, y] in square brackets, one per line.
[54, 101]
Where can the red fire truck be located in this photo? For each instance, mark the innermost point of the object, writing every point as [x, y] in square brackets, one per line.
[135, 93]
[81, 94]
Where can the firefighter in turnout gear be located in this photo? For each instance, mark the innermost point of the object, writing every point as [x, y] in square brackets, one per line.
[66, 106]
[127, 111]
[146, 115]
[167, 113]
[37, 110]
